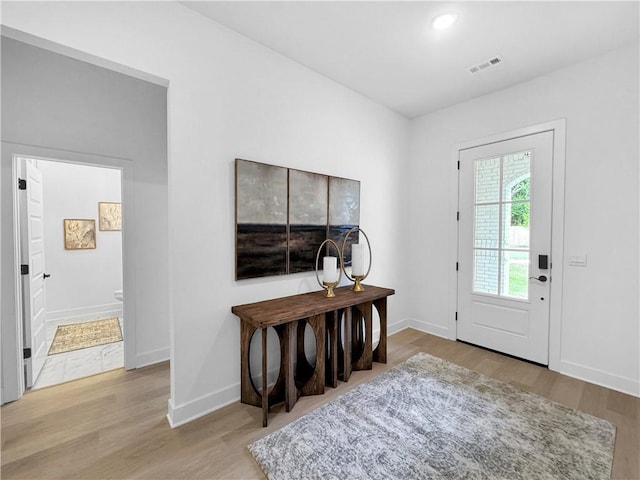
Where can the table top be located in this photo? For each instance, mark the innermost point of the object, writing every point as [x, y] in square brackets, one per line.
[295, 307]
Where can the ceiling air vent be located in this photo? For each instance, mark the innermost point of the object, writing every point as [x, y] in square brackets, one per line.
[484, 65]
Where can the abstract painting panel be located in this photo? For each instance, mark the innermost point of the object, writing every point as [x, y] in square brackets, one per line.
[261, 220]
[308, 197]
[344, 212]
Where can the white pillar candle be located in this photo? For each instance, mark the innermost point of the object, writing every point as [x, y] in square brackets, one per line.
[330, 269]
[357, 259]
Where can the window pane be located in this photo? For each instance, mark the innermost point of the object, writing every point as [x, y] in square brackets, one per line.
[485, 271]
[515, 225]
[487, 180]
[515, 275]
[487, 226]
[516, 173]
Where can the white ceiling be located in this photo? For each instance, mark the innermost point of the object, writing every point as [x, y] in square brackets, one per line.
[388, 51]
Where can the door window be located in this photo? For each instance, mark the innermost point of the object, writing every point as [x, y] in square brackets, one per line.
[501, 225]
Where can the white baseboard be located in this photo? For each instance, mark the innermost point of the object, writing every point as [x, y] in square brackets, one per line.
[396, 327]
[154, 356]
[431, 328]
[185, 413]
[85, 313]
[619, 383]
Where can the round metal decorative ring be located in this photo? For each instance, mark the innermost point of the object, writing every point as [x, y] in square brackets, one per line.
[344, 246]
[328, 240]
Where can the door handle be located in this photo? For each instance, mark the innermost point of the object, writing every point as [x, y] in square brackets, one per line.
[541, 278]
[45, 276]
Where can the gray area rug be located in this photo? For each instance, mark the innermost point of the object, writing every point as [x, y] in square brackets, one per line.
[428, 418]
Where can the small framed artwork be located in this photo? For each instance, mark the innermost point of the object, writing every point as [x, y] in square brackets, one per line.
[79, 234]
[109, 216]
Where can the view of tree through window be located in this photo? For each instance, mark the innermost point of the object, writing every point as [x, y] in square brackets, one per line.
[520, 211]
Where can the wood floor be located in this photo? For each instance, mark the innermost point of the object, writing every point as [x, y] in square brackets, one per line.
[113, 425]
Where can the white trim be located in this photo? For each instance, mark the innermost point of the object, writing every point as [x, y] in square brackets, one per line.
[630, 386]
[79, 313]
[430, 328]
[51, 46]
[201, 406]
[559, 128]
[144, 359]
[396, 327]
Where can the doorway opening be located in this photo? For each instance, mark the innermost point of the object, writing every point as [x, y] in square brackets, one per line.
[68, 234]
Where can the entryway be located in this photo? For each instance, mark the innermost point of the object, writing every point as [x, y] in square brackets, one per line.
[70, 237]
[504, 265]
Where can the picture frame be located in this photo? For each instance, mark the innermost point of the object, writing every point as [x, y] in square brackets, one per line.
[109, 216]
[284, 214]
[79, 234]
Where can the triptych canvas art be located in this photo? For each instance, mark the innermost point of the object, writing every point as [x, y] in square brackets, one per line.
[283, 215]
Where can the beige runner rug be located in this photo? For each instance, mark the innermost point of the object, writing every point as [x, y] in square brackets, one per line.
[84, 335]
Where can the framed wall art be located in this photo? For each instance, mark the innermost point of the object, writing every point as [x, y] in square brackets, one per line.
[79, 234]
[109, 216]
[283, 215]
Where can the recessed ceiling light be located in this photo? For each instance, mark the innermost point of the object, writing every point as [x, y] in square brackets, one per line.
[444, 21]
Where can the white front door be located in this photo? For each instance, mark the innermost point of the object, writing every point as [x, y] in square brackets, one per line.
[33, 293]
[504, 246]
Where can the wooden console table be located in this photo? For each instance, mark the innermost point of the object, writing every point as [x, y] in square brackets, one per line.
[289, 317]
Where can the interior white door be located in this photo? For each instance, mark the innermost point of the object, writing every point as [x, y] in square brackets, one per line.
[504, 246]
[33, 291]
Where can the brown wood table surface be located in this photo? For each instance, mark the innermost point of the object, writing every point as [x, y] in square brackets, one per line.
[276, 311]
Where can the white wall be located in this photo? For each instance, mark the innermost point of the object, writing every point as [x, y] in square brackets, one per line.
[82, 281]
[599, 99]
[228, 98]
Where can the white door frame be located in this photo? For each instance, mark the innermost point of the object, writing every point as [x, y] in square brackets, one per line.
[12, 343]
[559, 128]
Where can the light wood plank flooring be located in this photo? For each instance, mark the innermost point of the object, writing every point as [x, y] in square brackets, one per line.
[113, 425]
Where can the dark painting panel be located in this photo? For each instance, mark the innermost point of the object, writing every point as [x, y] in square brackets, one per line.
[304, 241]
[261, 250]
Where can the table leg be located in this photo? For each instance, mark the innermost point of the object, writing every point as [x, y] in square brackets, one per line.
[291, 392]
[331, 376]
[249, 393]
[380, 354]
[265, 392]
[363, 337]
[346, 362]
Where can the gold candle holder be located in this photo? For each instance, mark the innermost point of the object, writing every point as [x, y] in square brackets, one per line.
[329, 286]
[357, 279]
[357, 287]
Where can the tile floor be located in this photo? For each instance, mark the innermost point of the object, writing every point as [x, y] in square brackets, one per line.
[64, 367]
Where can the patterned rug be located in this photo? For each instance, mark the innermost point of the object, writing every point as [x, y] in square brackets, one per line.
[84, 335]
[430, 419]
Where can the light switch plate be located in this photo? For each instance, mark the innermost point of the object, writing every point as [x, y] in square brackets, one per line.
[578, 260]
